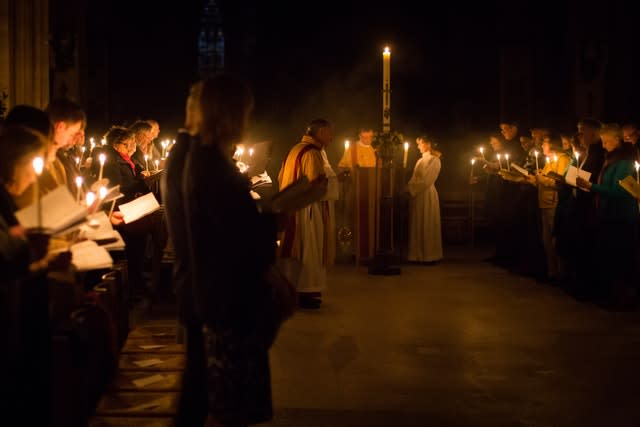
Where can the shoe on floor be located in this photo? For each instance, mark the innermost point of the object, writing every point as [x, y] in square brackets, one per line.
[309, 302]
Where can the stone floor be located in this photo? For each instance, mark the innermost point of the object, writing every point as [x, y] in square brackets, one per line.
[462, 343]
[459, 344]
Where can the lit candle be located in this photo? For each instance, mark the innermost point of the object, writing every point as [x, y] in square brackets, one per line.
[102, 192]
[77, 161]
[386, 90]
[499, 161]
[78, 188]
[473, 162]
[102, 159]
[535, 153]
[555, 158]
[406, 154]
[103, 141]
[38, 166]
[240, 153]
[637, 165]
[90, 198]
[578, 159]
[250, 153]
[547, 159]
[157, 164]
[481, 149]
[93, 145]
[92, 141]
[346, 146]
[146, 162]
[506, 156]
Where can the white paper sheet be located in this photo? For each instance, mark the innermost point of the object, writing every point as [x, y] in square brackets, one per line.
[573, 173]
[140, 207]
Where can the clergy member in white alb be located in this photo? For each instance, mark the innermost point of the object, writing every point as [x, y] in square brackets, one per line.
[425, 237]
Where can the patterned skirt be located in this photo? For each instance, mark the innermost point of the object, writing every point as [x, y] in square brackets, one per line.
[238, 378]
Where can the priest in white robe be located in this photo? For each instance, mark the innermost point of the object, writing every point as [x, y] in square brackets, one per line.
[309, 234]
[425, 235]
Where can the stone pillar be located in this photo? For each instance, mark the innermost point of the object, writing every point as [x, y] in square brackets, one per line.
[24, 51]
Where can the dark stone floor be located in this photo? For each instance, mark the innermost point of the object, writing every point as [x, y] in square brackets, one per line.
[462, 343]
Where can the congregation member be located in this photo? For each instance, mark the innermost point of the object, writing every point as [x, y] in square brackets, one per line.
[193, 400]
[231, 248]
[616, 215]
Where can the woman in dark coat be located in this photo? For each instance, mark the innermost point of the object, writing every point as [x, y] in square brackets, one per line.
[232, 245]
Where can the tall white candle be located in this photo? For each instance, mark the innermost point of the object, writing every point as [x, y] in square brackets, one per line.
[386, 90]
[535, 153]
[90, 198]
[78, 188]
[38, 166]
[499, 161]
[506, 156]
[481, 149]
[102, 159]
[578, 160]
[406, 154]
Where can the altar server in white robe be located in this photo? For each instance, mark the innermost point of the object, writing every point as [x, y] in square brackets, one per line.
[425, 236]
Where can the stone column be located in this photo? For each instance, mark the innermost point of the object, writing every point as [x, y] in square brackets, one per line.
[24, 51]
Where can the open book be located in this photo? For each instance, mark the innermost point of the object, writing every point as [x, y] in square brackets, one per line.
[631, 186]
[138, 208]
[519, 169]
[573, 172]
[59, 212]
[88, 255]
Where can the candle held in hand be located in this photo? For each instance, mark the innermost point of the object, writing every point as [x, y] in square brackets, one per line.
[38, 166]
[102, 159]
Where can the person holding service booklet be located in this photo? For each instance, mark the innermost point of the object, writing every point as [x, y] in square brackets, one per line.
[548, 200]
[617, 219]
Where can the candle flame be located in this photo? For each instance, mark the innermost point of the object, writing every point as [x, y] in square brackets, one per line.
[91, 140]
[78, 181]
[555, 158]
[473, 161]
[406, 146]
[481, 149]
[102, 192]
[637, 165]
[146, 157]
[387, 51]
[250, 152]
[83, 149]
[157, 163]
[90, 198]
[103, 141]
[102, 158]
[38, 165]
[506, 156]
[77, 160]
[346, 144]
[535, 153]
[498, 156]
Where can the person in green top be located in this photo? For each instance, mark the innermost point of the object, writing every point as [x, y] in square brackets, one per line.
[617, 221]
